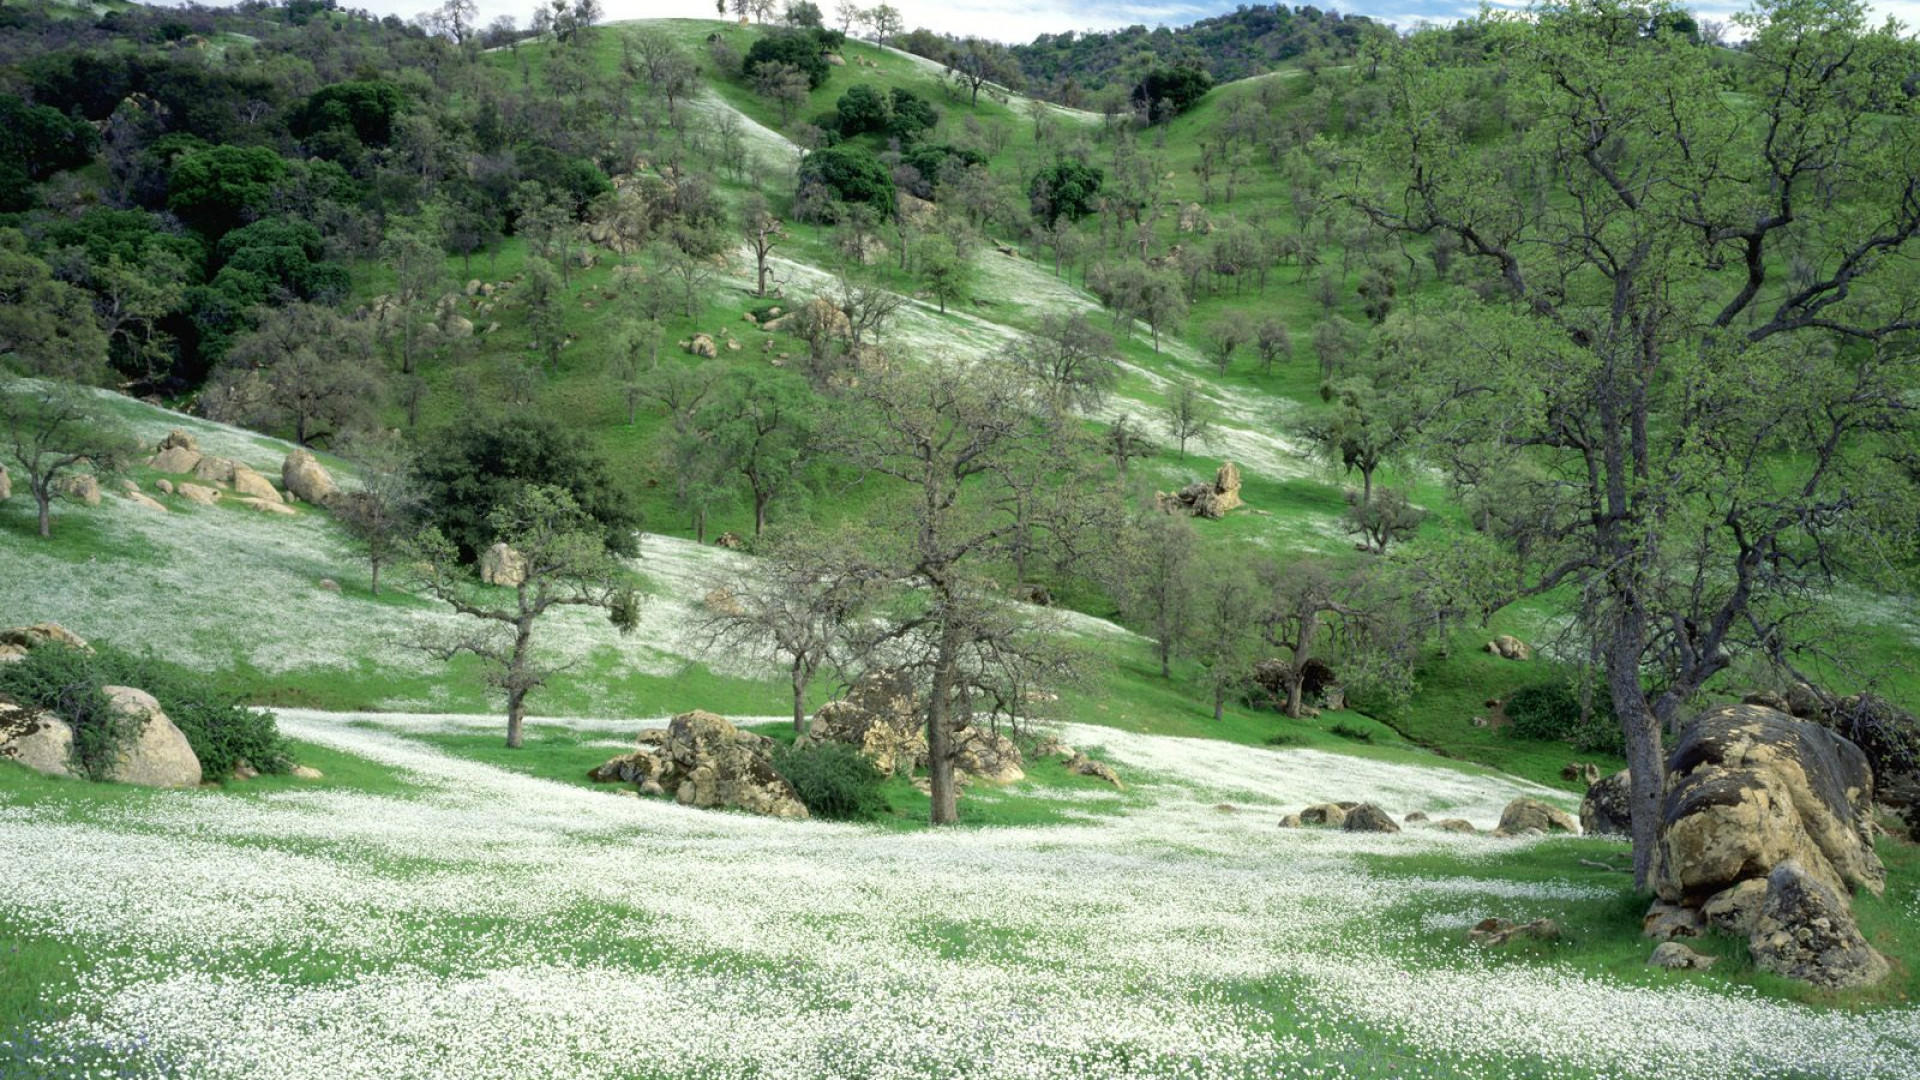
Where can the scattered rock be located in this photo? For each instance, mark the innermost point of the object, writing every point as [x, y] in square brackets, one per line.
[27, 638]
[82, 487]
[145, 502]
[1525, 815]
[1806, 931]
[177, 459]
[329, 585]
[307, 772]
[1493, 933]
[712, 764]
[730, 540]
[1082, 765]
[723, 601]
[178, 440]
[214, 470]
[1508, 647]
[1415, 818]
[1607, 809]
[1324, 814]
[988, 755]
[159, 756]
[254, 486]
[303, 475]
[1051, 746]
[1455, 825]
[1369, 818]
[39, 740]
[127, 486]
[501, 565]
[1664, 922]
[164, 486]
[266, 506]
[1677, 957]
[1584, 771]
[702, 345]
[198, 495]
[1291, 821]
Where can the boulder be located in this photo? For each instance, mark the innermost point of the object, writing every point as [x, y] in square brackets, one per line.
[1051, 746]
[307, 772]
[199, 496]
[1806, 931]
[1584, 771]
[145, 502]
[702, 345]
[252, 485]
[730, 540]
[1455, 825]
[1369, 818]
[1736, 910]
[1750, 788]
[159, 755]
[175, 459]
[1677, 957]
[1226, 487]
[39, 740]
[880, 715]
[1082, 765]
[1418, 817]
[1525, 815]
[177, 440]
[827, 317]
[1607, 809]
[266, 506]
[1291, 821]
[1664, 922]
[913, 209]
[214, 470]
[1324, 814]
[304, 476]
[1508, 647]
[987, 755]
[165, 487]
[711, 764]
[1493, 933]
[501, 565]
[82, 487]
[26, 638]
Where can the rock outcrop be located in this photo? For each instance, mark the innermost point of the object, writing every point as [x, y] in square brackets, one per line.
[251, 485]
[25, 638]
[880, 717]
[501, 565]
[1508, 647]
[38, 740]
[1607, 810]
[1806, 931]
[702, 760]
[1202, 499]
[158, 755]
[82, 488]
[1749, 788]
[1677, 957]
[1524, 816]
[987, 755]
[305, 477]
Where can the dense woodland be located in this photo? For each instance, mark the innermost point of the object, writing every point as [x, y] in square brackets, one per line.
[1593, 314]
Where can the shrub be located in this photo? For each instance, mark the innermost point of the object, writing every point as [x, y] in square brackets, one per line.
[805, 51]
[1351, 733]
[1167, 92]
[1066, 188]
[1551, 711]
[850, 174]
[834, 780]
[67, 682]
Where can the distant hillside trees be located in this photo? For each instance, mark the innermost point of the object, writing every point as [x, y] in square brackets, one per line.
[471, 470]
[840, 175]
[1164, 93]
[805, 51]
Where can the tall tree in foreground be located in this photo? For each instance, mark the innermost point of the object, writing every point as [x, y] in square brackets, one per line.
[564, 563]
[53, 432]
[953, 436]
[1699, 352]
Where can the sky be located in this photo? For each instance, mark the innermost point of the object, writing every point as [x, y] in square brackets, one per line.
[1023, 20]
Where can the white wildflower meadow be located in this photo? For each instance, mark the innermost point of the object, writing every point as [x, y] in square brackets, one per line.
[484, 924]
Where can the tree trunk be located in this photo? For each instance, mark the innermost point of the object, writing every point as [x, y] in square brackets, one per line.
[516, 717]
[1219, 701]
[45, 502]
[946, 805]
[760, 502]
[799, 673]
[1645, 756]
[1295, 692]
[376, 577]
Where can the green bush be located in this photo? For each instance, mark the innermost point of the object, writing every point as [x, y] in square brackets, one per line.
[1551, 711]
[67, 682]
[834, 780]
[1352, 733]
